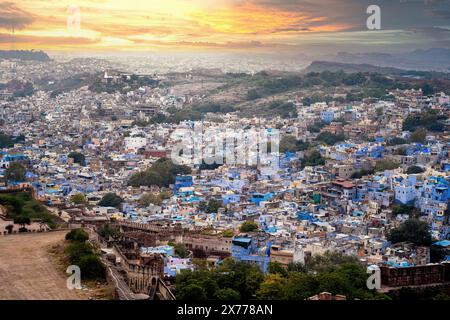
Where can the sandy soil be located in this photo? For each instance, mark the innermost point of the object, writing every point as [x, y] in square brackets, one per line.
[27, 271]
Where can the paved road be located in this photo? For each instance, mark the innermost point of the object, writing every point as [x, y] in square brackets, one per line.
[27, 271]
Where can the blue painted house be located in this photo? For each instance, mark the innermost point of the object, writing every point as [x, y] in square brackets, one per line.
[257, 198]
[182, 182]
[243, 249]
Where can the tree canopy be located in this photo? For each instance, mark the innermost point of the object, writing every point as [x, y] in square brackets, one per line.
[248, 226]
[332, 272]
[83, 254]
[23, 205]
[290, 144]
[110, 200]
[78, 235]
[162, 173]
[77, 157]
[412, 230]
[78, 198]
[414, 170]
[16, 172]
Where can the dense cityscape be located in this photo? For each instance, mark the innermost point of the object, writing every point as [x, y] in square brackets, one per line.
[224, 176]
[358, 177]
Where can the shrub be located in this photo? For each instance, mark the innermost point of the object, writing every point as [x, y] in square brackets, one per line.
[77, 235]
[414, 170]
[412, 230]
[91, 267]
[107, 231]
[386, 164]
[248, 226]
[76, 250]
[110, 200]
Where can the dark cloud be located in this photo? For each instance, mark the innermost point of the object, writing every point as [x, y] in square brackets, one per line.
[443, 14]
[395, 14]
[12, 16]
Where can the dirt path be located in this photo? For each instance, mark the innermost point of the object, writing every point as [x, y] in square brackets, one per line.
[27, 271]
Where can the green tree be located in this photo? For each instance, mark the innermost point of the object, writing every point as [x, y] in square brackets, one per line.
[248, 226]
[252, 94]
[419, 135]
[414, 170]
[312, 158]
[200, 264]
[430, 120]
[149, 198]
[333, 272]
[412, 230]
[76, 250]
[180, 249]
[427, 89]
[329, 138]
[290, 144]
[296, 267]
[6, 141]
[228, 233]
[333, 282]
[227, 294]
[110, 200]
[9, 228]
[272, 288]
[386, 164]
[379, 112]
[16, 172]
[328, 261]
[253, 281]
[396, 141]
[23, 221]
[77, 157]
[191, 292]
[300, 286]
[213, 206]
[91, 267]
[202, 205]
[23, 205]
[276, 267]
[361, 173]
[316, 126]
[404, 209]
[106, 231]
[162, 173]
[78, 198]
[77, 235]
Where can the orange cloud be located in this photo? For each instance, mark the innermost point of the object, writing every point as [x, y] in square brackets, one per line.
[148, 24]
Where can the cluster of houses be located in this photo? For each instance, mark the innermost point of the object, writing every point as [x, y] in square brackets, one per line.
[81, 142]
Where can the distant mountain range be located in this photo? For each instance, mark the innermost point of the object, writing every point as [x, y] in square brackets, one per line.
[320, 66]
[435, 59]
[24, 55]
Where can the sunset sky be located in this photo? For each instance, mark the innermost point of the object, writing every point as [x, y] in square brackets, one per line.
[222, 25]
